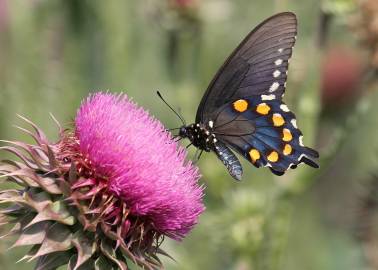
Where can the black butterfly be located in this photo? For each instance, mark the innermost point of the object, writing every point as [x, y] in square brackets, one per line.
[242, 108]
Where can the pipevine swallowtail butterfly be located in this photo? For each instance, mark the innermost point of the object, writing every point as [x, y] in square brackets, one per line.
[242, 108]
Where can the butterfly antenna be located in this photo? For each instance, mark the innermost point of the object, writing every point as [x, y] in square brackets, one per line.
[169, 106]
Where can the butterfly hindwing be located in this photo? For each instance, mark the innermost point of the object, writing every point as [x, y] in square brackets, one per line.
[258, 66]
[265, 132]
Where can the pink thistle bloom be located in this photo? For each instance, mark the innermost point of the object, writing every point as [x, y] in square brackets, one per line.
[105, 194]
[142, 164]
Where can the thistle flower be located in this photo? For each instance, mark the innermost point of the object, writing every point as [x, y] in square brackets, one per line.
[105, 194]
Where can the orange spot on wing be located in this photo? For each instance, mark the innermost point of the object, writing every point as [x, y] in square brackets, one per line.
[287, 136]
[254, 154]
[273, 156]
[287, 149]
[278, 120]
[263, 108]
[241, 105]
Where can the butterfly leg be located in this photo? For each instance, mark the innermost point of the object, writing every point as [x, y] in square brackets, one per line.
[197, 156]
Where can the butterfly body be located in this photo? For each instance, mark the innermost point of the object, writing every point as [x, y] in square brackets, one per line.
[199, 135]
[242, 108]
[202, 137]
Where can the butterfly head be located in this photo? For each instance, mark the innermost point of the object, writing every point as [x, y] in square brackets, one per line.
[184, 132]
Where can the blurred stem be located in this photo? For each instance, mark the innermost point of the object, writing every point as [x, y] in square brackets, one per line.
[276, 233]
[325, 20]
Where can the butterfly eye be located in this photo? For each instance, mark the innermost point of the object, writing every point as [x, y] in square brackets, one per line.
[183, 132]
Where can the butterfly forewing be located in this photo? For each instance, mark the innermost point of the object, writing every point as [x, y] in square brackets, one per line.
[258, 66]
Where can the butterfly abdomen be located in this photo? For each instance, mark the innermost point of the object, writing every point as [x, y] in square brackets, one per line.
[229, 160]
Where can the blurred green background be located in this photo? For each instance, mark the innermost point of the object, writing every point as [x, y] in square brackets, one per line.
[53, 53]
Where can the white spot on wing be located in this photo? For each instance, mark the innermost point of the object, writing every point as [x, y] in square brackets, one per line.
[280, 50]
[278, 62]
[284, 108]
[276, 73]
[268, 97]
[301, 141]
[274, 87]
[211, 124]
[301, 156]
[294, 123]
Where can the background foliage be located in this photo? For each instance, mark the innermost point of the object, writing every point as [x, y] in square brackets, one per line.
[53, 53]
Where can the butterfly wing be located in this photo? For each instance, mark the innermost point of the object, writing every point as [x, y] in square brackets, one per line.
[243, 103]
[264, 132]
[257, 66]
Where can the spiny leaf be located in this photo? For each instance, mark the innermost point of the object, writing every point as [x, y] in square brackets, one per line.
[72, 174]
[28, 162]
[28, 132]
[85, 248]
[56, 211]
[38, 201]
[52, 160]
[52, 261]
[49, 184]
[58, 238]
[88, 265]
[103, 264]
[10, 195]
[56, 122]
[32, 235]
[33, 151]
[30, 254]
[8, 170]
[109, 252]
[20, 225]
[41, 136]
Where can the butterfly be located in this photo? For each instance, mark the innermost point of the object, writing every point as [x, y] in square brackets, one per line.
[242, 108]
